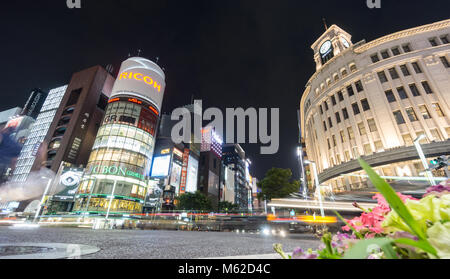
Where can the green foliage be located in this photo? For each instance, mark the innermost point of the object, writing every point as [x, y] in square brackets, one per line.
[399, 207]
[277, 184]
[350, 226]
[225, 206]
[194, 201]
[363, 248]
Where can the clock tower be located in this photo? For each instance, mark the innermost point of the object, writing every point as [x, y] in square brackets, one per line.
[330, 44]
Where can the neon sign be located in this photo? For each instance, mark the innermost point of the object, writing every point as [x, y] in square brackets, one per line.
[140, 77]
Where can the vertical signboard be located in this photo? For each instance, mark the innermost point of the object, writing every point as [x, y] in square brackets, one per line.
[184, 171]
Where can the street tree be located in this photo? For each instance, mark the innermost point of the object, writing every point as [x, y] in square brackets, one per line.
[194, 201]
[277, 184]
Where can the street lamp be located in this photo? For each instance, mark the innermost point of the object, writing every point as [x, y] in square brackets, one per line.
[428, 173]
[302, 173]
[42, 199]
[316, 179]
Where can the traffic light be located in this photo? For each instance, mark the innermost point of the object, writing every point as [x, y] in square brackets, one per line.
[439, 163]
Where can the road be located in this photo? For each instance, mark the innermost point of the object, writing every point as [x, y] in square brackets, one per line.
[148, 244]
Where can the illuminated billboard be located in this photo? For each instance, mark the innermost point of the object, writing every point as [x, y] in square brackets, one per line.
[175, 175]
[142, 78]
[192, 175]
[161, 166]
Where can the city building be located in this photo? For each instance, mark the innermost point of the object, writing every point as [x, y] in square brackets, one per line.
[71, 134]
[373, 100]
[34, 103]
[210, 169]
[229, 184]
[116, 176]
[38, 133]
[234, 157]
[174, 169]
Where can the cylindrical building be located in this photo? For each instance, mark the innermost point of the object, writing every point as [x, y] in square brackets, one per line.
[373, 100]
[115, 179]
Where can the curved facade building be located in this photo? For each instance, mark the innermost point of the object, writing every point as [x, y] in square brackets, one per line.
[116, 176]
[372, 100]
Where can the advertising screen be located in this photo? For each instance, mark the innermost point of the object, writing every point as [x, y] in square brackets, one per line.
[68, 184]
[175, 175]
[192, 174]
[160, 167]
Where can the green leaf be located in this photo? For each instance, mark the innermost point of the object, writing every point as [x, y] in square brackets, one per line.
[418, 244]
[362, 248]
[396, 204]
[350, 226]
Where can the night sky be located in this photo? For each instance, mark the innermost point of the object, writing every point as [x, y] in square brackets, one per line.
[229, 53]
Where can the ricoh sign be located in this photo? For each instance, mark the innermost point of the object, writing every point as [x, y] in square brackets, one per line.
[141, 78]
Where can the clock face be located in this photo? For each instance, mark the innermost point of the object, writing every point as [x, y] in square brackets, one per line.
[325, 47]
[345, 43]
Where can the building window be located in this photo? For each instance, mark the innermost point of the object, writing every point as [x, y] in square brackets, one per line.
[365, 104]
[382, 77]
[444, 39]
[355, 108]
[334, 141]
[407, 139]
[393, 73]
[340, 96]
[406, 48]
[378, 145]
[402, 93]
[427, 87]
[424, 140]
[330, 122]
[353, 68]
[424, 111]
[372, 125]
[325, 126]
[347, 155]
[344, 72]
[399, 117]
[333, 100]
[326, 104]
[438, 109]
[414, 90]
[385, 54]
[321, 109]
[345, 113]
[395, 51]
[350, 90]
[359, 86]
[445, 61]
[405, 70]
[436, 135]
[367, 149]
[362, 128]
[338, 117]
[416, 67]
[375, 58]
[343, 139]
[411, 114]
[390, 96]
[351, 135]
[328, 142]
[336, 77]
[433, 42]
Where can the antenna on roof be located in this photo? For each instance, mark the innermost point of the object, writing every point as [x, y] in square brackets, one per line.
[325, 24]
[139, 53]
[157, 59]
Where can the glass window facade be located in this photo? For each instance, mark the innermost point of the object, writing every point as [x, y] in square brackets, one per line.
[120, 160]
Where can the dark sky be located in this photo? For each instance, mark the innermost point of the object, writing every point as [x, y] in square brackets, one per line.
[229, 53]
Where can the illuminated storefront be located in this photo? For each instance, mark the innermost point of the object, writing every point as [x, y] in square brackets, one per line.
[116, 177]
